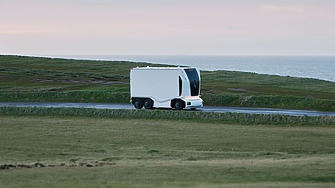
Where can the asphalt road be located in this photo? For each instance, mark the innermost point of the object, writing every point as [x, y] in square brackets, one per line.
[204, 109]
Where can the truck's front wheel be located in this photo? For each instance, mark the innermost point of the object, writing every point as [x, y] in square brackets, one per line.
[138, 104]
[178, 105]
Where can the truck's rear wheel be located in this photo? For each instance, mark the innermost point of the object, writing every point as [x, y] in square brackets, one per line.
[148, 104]
[138, 104]
[178, 105]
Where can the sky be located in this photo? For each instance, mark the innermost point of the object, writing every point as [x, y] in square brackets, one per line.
[167, 27]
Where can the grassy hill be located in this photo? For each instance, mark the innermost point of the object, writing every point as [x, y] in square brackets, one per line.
[65, 80]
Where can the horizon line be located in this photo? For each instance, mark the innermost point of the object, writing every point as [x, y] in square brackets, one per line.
[64, 55]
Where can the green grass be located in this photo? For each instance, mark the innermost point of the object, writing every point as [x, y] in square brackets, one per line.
[63, 80]
[190, 116]
[260, 84]
[270, 101]
[162, 153]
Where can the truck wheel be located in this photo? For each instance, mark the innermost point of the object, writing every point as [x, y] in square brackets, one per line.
[178, 105]
[138, 104]
[148, 104]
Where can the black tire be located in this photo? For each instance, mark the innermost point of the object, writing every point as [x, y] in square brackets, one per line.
[138, 104]
[148, 104]
[178, 105]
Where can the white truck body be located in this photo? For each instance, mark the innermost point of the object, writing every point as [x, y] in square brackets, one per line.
[164, 87]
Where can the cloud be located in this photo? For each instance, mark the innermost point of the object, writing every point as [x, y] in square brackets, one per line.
[282, 8]
[29, 31]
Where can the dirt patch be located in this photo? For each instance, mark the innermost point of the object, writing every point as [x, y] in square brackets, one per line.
[71, 81]
[43, 80]
[238, 89]
[91, 82]
[89, 164]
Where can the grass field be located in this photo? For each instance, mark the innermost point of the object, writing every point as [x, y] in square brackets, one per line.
[113, 152]
[62, 80]
[67, 147]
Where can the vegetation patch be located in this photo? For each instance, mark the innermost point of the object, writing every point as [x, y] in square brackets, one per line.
[227, 118]
[269, 101]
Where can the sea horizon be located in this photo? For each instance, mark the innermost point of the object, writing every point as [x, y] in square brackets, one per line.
[306, 66]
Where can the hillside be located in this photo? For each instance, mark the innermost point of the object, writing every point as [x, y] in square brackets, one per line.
[65, 80]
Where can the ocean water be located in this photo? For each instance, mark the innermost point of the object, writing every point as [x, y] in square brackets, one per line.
[318, 67]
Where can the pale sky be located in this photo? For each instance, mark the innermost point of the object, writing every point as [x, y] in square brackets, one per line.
[167, 27]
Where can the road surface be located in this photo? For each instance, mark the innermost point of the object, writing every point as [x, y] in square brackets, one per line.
[204, 109]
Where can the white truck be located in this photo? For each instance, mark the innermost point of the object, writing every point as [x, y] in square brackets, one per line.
[165, 87]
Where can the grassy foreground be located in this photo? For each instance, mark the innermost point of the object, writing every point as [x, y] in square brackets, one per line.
[113, 152]
[63, 80]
